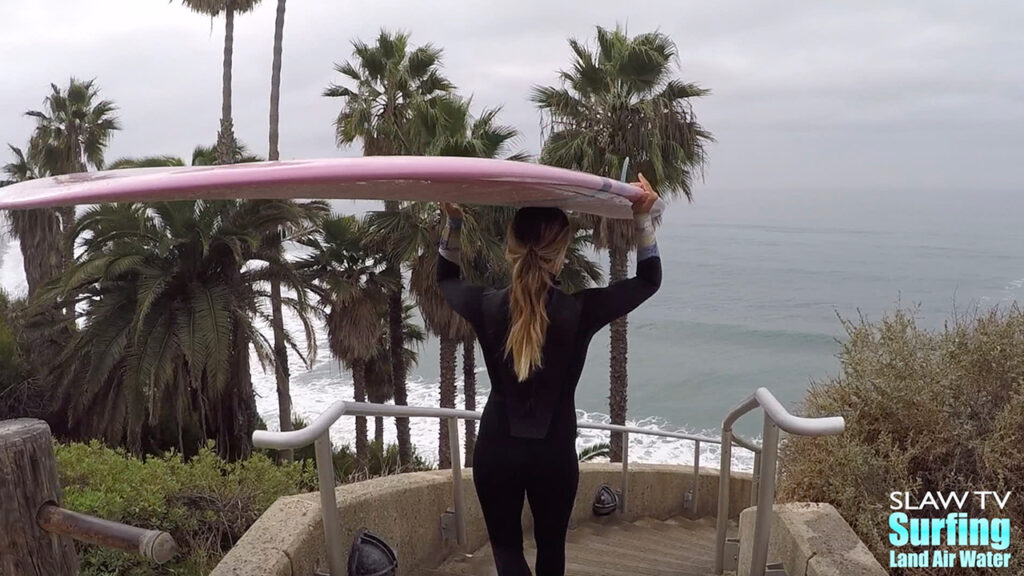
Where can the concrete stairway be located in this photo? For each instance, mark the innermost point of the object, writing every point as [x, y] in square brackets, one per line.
[612, 547]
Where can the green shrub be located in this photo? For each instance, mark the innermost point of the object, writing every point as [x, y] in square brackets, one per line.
[12, 369]
[205, 503]
[925, 411]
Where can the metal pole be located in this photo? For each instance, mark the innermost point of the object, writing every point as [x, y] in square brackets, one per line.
[724, 466]
[765, 497]
[756, 480]
[151, 544]
[457, 496]
[696, 475]
[625, 472]
[329, 506]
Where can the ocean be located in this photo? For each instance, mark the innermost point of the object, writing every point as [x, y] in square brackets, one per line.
[754, 285]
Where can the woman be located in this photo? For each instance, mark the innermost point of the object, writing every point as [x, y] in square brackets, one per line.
[534, 339]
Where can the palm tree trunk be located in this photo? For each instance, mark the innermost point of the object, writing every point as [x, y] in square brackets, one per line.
[67, 223]
[378, 430]
[229, 46]
[226, 136]
[449, 350]
[284, 396]
[619, 347]
[73, 163]
[280, 351]
[359, 395]
[396, 347]
[237, 414]
[469, 387]
[275, 82]
[42, 244]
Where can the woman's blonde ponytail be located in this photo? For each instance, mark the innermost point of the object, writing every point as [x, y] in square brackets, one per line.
[534, 266]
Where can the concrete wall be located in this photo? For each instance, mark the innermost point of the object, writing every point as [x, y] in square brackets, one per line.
[810, 539]
[405, 510]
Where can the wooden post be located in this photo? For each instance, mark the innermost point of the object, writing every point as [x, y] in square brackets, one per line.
[28, 480]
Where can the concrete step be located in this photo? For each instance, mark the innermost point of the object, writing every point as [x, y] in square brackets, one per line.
[679, 528]
[609, 551]
[609, 546]
[695, 539]
[649, 542]
[585, 554]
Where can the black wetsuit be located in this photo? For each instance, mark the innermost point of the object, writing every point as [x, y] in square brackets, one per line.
[527, 439]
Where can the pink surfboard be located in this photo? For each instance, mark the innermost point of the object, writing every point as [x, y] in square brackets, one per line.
[416, 178]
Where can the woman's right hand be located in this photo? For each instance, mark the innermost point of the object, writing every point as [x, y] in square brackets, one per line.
[644, 203]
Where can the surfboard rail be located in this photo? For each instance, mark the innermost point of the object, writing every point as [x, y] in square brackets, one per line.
[409, 178]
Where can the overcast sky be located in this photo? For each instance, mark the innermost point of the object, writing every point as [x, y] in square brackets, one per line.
[881, 95]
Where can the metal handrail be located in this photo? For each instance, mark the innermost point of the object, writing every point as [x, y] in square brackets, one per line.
[775, 417]
[306, 436]
[318, 433]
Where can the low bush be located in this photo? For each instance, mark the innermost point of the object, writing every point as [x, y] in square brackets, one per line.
[935, 411]
[205, 503]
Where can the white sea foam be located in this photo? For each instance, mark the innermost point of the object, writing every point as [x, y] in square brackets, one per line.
[313, 390]
[12, 268]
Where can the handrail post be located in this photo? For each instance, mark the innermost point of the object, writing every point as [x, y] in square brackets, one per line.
[765, 497]
[457, 494]
[696, 476]
[721, 524]
[329, 505]
[756, 479]
[625, 472]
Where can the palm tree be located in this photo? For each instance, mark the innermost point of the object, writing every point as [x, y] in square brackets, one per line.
[282, 374]
[40, 240]
[38, 230]
[146, 162]
[616, 101]
[483, 263]
[439, 319]
[389, 80]
[167, 295]
[211, 155]
[379, 380]
[273, 246]
[73, 128]
[72, 132]
[201, 156]
[214, 8]
[352, 292]
[445, 127]
[469, 394]
[379, 385]
[275, 82]
[303, 222]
